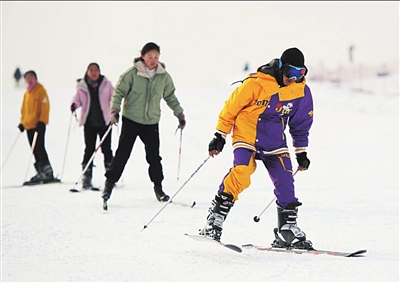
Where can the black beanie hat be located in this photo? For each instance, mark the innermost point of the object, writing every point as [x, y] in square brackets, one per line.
[293, 56]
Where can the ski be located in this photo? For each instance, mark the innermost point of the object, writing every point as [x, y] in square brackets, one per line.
[96, 189]
[183, 204]
[25, 184]
[205, 239]
[299, 251]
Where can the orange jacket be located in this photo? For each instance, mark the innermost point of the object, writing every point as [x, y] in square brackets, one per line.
[35, 107]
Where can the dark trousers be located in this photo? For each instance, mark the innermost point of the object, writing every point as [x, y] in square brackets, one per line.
[90, 134]
[39, 151]
[150, 137]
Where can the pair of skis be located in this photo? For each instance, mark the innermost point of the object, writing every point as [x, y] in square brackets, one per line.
[270, 249]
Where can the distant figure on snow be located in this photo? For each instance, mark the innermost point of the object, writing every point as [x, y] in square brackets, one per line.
[35, 112]
[257, 113]
[142, 87]
[93, 94]
[17, 77]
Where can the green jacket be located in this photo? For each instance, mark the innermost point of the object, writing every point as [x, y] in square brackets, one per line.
[142, 95]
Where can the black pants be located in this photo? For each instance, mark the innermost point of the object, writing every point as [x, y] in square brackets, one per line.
[150, 137]
[39, 151]
[90, 134]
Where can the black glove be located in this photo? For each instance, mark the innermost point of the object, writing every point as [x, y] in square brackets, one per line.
[40, 127]
[114, 116]
[303, 160]
[21, 128]
[73, 107]
[182, 121]
[217, 143]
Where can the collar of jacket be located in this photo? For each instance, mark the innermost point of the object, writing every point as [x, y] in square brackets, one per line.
[82, 85]
[290, 92]
[140, 66]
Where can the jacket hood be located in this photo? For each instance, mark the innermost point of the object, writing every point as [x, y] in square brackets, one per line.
[139, 64]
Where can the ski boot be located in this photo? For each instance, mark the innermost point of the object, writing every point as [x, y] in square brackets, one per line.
[44, 175]
[160, 195]
[47, 175]
[87, 178]
[287, 234]
[108, 187]
[37, 179]
[218, 212]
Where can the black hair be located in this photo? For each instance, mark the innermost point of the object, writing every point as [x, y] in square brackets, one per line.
[91, 64]
[87, 69]
[30, 72]
[149, 46]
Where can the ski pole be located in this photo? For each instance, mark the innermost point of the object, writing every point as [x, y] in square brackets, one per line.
[122, 178]
[66, 146]
[180, 154]
[8, 155]
[32, 150]
[170, 201]
[257, 218]
[74, 190]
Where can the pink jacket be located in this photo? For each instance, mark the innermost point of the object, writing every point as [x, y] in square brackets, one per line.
[82, 98]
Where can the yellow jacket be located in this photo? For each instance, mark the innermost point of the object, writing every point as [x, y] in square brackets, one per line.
[35, 107]
[259, 110]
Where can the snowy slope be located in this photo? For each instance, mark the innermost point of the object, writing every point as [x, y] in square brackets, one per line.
[350, 199]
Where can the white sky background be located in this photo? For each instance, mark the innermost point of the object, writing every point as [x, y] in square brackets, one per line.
[200, 41]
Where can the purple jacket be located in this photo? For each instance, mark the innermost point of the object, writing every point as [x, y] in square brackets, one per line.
[82, 98]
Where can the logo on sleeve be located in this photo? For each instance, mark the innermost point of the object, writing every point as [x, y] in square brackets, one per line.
[44, 100]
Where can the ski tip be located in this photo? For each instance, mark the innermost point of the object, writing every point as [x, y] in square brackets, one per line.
[357, 253]
[234, 248]
[193, 204]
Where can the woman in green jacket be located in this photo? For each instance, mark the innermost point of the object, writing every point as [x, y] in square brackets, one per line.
[142, 87]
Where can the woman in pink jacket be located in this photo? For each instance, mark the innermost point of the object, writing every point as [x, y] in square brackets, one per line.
[93, 94]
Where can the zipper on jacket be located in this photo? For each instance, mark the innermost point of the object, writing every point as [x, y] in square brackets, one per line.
[147, 99]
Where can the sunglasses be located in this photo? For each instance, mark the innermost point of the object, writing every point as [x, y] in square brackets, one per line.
[293, 72]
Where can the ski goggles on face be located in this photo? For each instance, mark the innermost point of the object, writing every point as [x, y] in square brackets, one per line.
[293, 72]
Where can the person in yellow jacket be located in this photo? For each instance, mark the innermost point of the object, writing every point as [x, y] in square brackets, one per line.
[257, 113]
[34, 118]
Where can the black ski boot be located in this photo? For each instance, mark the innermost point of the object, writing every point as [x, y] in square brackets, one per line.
[87, 178]
[47, 174]
[288, 235]
[218, 212]
[108, 188]
[44, 175]
[160, 195]
[37, 179]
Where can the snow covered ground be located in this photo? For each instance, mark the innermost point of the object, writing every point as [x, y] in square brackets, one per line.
[350, 198]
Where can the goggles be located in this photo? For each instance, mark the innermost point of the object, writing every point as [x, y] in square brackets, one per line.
[293, 72]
